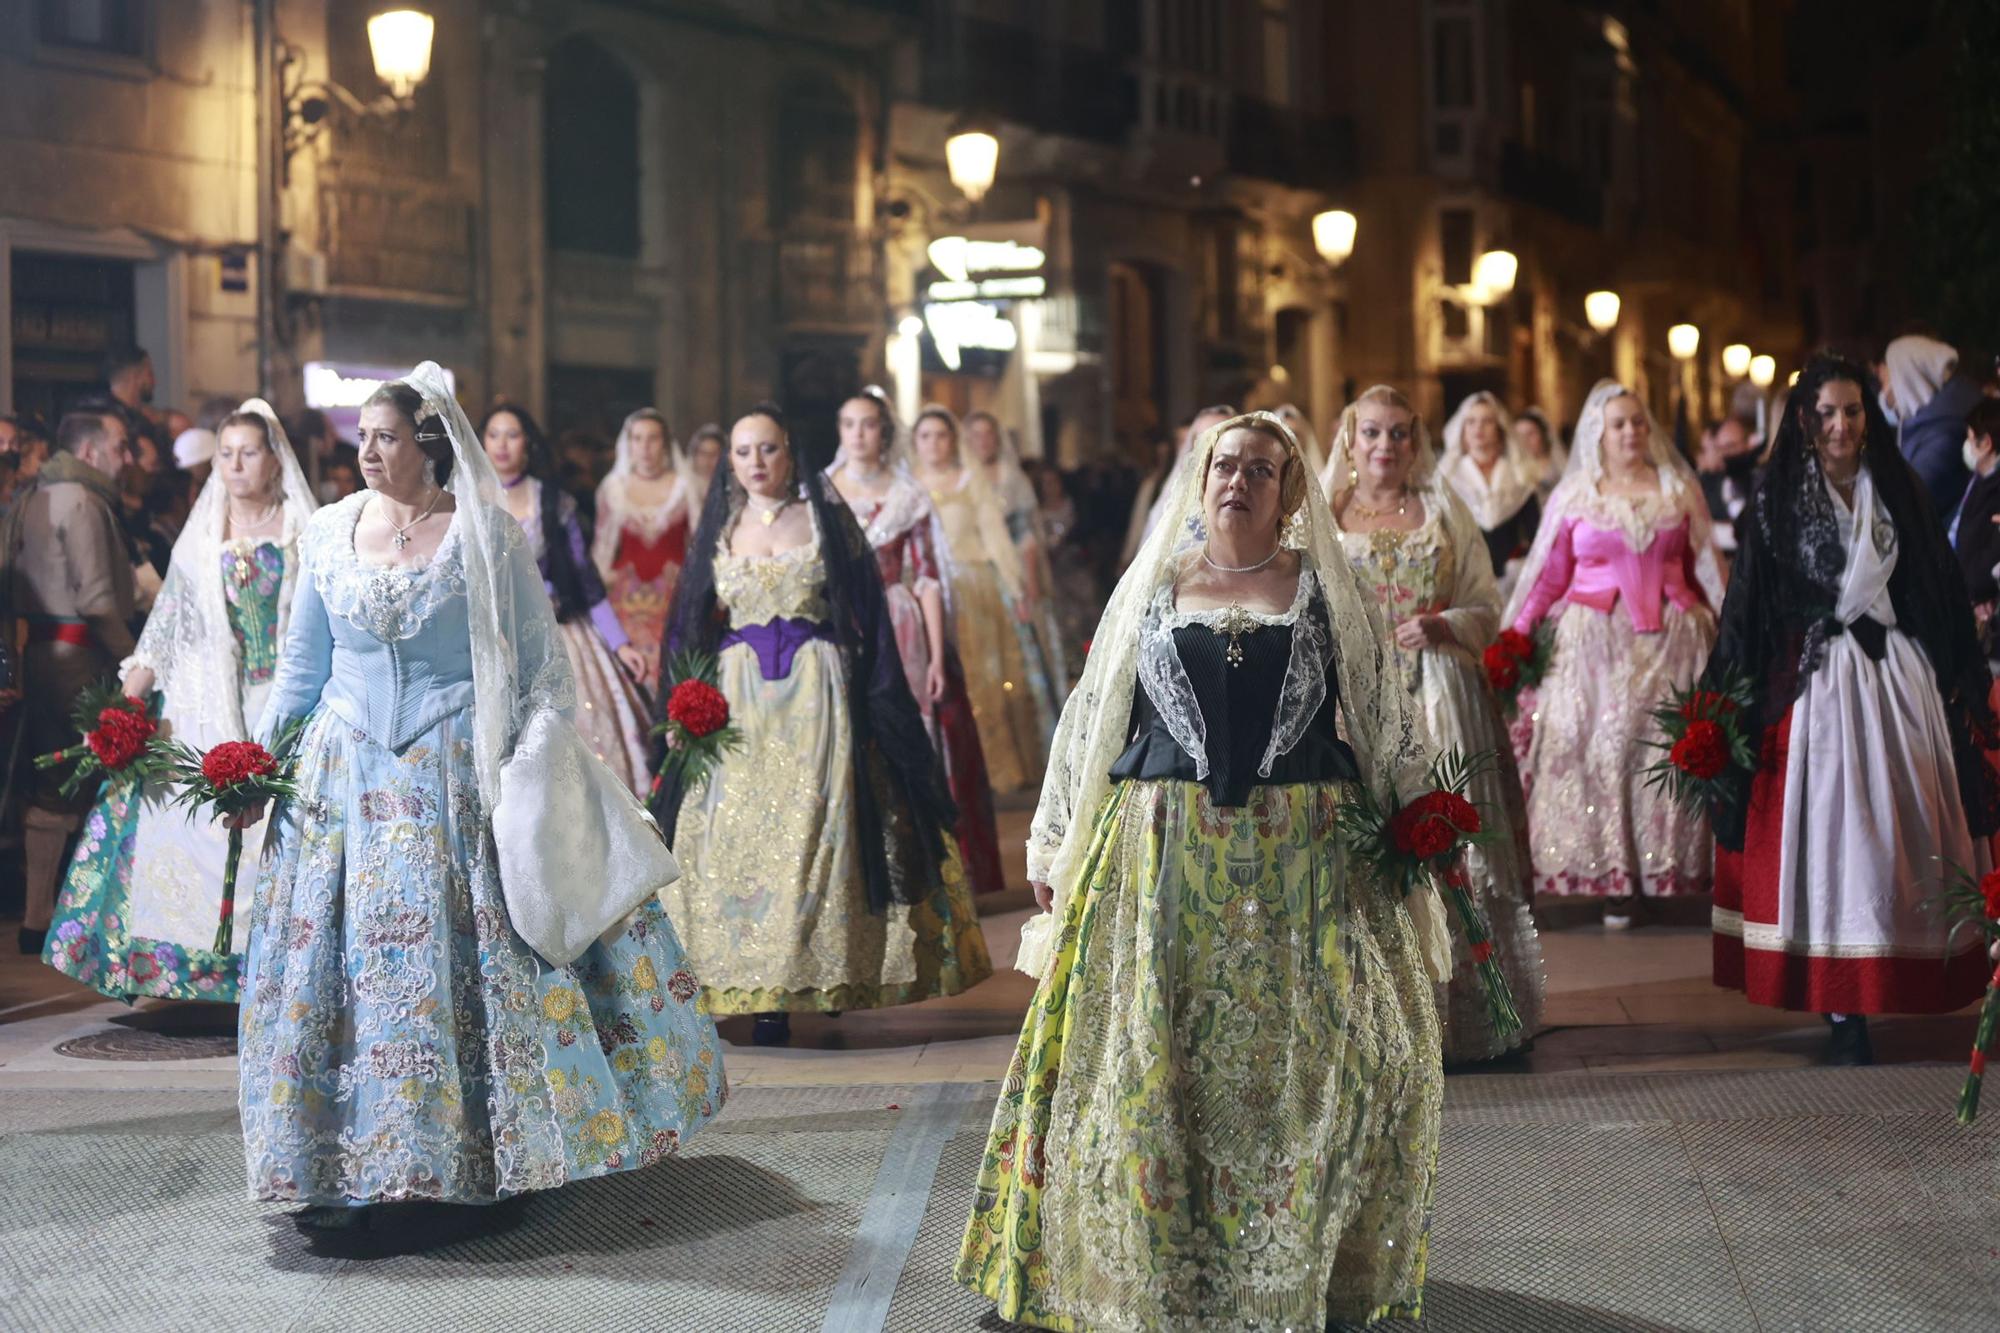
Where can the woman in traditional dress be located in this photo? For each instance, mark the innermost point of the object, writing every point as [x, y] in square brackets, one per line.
[704, 455]
[896, 514]
[400, 1039]
[1489, 471]
[1849, 621]
[1625, 567]
[820, 873]
[640, 540]
[1005, 674]
[1417, 549]
[1544, 453]
[139, 911]
[612, 711]
[998, 459]
[1223, 1109]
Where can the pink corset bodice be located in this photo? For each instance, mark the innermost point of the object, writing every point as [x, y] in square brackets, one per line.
[1596, 567]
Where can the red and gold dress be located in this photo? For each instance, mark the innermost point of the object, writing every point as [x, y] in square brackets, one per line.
[639, 551]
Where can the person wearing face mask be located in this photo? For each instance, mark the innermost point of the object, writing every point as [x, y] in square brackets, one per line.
[1625, 567]
[909, 544]
[1222, 1111]
[1848, 615]
[1975, 535]
[1926, 398]
[821, 874]
[1488, 470]
[1413, 543]
[404, 1040]
[139, 909]
[615, 719]
[644, 507]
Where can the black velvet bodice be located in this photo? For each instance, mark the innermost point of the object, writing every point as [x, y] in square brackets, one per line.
[1238, 706]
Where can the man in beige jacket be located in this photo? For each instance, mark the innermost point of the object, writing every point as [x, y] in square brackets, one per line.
[69, 579]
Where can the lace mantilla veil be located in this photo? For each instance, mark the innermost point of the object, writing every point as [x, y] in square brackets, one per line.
[907, 504]
[188, 643]
[1514, 477]
[1578, 492]
[604, 541]
[507, 628]
[1378, 719]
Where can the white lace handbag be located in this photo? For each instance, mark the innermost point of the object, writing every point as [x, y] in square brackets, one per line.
[578, 852]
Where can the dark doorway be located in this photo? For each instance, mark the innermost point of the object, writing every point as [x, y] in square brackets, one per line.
[818, 374]
[68, 312]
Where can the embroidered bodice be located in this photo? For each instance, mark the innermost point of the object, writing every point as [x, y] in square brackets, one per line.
[1411, 573]
[961, 523]
[390, 649]
[253, 573]
[759, 589]
[1610, 549]
[898, 524]
[1235, 670]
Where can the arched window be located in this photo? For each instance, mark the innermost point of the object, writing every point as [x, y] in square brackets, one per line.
[591, 151]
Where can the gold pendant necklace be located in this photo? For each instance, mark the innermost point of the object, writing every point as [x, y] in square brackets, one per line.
[1235, 623]
[769, 516]
[1369, 511]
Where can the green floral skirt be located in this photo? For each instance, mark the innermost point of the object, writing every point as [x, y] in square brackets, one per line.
[1223, 1109]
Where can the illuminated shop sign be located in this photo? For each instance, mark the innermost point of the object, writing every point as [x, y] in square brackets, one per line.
[956, 325]
[331, 384]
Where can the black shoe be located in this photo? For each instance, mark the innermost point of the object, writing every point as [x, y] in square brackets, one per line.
[772, 1030]
[323, 1219]
[31, 941]
[1848, 1043]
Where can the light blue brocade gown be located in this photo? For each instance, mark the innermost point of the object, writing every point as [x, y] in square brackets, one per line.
[399, 1040]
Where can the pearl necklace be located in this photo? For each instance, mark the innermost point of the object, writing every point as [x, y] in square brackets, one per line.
[1239, 569]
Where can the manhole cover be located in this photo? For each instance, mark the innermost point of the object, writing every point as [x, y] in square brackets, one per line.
[131, 1044]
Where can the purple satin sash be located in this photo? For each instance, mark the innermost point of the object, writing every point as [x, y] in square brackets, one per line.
[778, 642]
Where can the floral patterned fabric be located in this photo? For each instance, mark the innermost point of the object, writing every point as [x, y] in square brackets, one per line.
[1442, 568]
[1223, 1109]
[138, 911]
[398, 1039]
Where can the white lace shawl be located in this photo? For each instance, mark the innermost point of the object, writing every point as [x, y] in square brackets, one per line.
[905, 505]
[1379, 720]
[188, 643]
[1496, 497]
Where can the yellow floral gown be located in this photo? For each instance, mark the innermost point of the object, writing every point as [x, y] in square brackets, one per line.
[771, 904]
[1222, 1112]
[1442, 568]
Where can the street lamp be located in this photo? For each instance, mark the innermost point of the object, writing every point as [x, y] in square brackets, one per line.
[1333, 235]
[1736, 360]
[400, 42]
[1493, 275]
[1601, 310]
[972, 155]
[1683, 340]
[1763, 369]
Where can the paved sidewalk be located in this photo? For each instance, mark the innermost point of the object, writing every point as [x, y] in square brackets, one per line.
[1804, 1199]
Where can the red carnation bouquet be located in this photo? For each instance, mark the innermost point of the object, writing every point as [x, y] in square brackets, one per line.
[117, 736]
[1707, 740]
[1515, 662]
[698, 729]
[1974, 904]
[232, 779]
[1426, 836]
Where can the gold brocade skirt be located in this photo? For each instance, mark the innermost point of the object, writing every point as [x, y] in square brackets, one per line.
[1223, 1109]
[997, 680]
[771, 905]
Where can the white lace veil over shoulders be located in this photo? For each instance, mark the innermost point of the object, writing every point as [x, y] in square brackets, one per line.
[1378, 718]
[188, 643]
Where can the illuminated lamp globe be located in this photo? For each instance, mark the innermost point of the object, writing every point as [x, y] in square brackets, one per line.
[1736, 360]
[1763, 369]
[1601, 310]
[399, 40]
[1493, 275]
[1333, 235]
[1683, 340]
[973, 157]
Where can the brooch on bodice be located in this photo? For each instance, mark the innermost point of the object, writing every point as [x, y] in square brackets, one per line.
[1235, 623]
